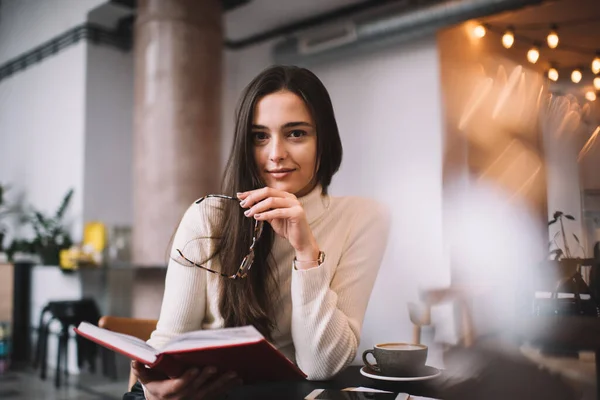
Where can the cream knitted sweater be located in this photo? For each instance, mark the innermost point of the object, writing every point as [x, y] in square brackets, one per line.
[319, 312]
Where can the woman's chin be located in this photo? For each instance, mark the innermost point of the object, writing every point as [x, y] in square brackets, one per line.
[280, 186]
[285, 187]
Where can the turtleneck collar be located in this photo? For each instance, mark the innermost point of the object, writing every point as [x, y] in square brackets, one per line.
[314, 203]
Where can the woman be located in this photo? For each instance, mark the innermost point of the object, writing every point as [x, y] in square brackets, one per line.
[315, 260]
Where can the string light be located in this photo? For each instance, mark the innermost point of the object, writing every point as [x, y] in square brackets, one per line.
[479, 31]
[590, 96]
[596, 63]
[552, 38]
[533, 55]
[508, 39]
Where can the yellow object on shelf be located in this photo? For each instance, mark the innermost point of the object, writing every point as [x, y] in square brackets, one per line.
[68, 258]
[94, 235]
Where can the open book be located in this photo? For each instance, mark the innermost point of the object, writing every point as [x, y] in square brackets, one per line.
[243, 350]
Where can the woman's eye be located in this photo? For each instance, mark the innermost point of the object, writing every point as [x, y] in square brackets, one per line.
[259, 136]
[297, 134]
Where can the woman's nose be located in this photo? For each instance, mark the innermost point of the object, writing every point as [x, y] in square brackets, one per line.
[277, 152]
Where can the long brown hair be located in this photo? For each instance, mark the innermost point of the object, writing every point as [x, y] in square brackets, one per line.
[249, 301]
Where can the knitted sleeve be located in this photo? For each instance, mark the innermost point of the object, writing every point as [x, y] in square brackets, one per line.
[184, 299]
[329, 301]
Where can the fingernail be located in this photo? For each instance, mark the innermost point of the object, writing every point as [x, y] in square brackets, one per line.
[256, 216]
[243, 203]
[247, 212]
[238, 194]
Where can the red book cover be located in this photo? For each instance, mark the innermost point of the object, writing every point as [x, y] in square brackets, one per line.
[249, 354]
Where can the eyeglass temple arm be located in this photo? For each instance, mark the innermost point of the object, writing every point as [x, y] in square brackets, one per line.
[207, 269]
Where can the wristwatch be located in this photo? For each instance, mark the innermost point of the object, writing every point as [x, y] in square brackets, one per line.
[320, 260]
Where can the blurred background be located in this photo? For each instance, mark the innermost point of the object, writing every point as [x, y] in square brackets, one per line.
[475, 121]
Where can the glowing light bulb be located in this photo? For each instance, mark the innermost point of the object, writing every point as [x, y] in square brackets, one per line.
[590, 96]
[533, 55]
[479, 31]
[597, 83]
[508, 39]
[552, 38]
[576, 76]
[553, 74]
[596, 65]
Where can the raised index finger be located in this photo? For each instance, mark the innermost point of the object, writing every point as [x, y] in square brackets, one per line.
[254, 196]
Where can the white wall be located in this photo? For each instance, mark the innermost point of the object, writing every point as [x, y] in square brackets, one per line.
[42, 131]
[564, 189]
[389, 113]
[67, 121]
[388, 110]
[108, 152]
[25, 24]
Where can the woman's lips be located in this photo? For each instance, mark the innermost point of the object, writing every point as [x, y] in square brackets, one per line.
[281, 173]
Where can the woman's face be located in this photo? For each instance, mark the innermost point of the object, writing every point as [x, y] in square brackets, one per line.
[285, 143]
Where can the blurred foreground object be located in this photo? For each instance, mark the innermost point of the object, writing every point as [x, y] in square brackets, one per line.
[420, 314]
[484, 368]
[485, 372]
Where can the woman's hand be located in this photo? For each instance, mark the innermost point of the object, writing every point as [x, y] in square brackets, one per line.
[285, 214]
[192, 384]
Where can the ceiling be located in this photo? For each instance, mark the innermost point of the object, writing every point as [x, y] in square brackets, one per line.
[259, 16]
[245, 19]
[583, 35]
[227, 4]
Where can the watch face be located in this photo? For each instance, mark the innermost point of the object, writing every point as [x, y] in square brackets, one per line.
[321, 257]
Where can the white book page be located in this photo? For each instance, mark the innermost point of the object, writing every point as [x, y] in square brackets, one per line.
[401, 396]
[213, 338]
[365, 389]
[127, 343]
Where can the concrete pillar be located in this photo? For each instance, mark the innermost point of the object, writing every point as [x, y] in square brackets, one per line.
[178, 61]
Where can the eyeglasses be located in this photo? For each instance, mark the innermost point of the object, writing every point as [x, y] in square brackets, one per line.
[247, 262]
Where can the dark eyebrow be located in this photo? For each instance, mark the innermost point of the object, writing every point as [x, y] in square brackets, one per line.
[288, 125]
[295, 124]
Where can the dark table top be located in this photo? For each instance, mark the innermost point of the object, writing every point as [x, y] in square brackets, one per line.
[350, 377]
[487, 373]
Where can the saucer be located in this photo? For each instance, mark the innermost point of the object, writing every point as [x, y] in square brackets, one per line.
[426, 373]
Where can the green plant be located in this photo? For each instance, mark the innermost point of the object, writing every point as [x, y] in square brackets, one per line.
[51, 235]
[561, 252]
[4, 208]
[19, 246]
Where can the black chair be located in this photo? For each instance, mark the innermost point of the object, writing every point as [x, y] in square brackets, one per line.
[595, 273]
[68, 313]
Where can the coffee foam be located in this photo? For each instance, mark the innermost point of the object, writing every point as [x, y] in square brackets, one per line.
[400, 346]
